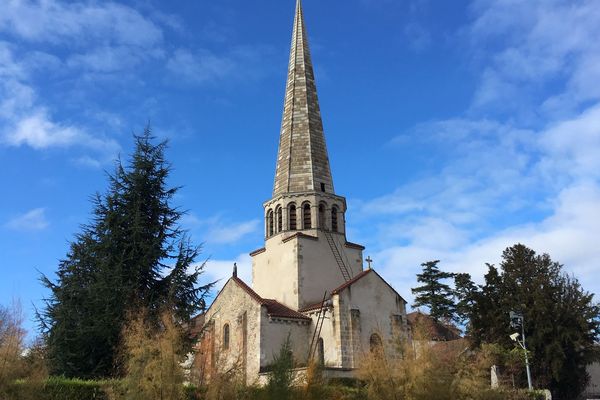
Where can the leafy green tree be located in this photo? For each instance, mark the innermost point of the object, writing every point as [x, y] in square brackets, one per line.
[434, 293]
[132, 255]
[562, 323]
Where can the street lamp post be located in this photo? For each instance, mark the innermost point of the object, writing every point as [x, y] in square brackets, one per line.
[516, 320]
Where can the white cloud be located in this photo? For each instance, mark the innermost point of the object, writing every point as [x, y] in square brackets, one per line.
[203, 66]
[232, 233]
[25, 122]
[33, 220]
[218, 231]
[533, 43]
[221, 270]
[77, 23]
[199, 67]
[531, 177]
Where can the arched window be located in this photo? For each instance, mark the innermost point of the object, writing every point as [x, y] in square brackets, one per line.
[306, 217]
[322, 216]
[292, 213]
[375, 343]
[225, 336]
[279, 219]
[270, 224]
[334, 219]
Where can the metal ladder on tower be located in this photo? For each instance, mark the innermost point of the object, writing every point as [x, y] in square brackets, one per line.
[338, 257]
[317, 333]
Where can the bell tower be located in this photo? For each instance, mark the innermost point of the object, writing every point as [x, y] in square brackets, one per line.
[305, 251]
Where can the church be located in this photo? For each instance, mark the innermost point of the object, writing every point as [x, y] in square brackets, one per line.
[309, 283]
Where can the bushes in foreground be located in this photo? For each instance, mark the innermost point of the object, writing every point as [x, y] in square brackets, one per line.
[58, 388]
[74, 389]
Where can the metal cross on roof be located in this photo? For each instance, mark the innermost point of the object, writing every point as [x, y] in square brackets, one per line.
[369, 261]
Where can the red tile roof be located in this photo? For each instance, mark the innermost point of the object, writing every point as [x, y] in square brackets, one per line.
[435, 330]
[258, 251]
[355, 246]
[351, 281]
[313, 307]
[274, 308]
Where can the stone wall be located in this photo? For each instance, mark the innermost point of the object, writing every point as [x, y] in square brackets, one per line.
[369, 307]
[304, 267]
[274, 333]
[233, 306]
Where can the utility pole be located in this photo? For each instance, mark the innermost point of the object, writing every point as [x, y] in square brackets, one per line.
[516, 320]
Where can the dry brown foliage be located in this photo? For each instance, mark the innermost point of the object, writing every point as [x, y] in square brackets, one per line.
[12, 338]
[421, 370]
[153, 358]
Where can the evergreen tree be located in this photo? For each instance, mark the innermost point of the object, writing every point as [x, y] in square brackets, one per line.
[562, 323]
[434, 294]
[132, 255]
[464, 296]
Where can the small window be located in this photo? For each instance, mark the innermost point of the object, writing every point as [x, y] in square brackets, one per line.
[322, 187]
[225, 336]
[321, 216]
[279, 220]
[334, 219]
[306, 217]
[270, 223]
[292, 212]
[375, 343]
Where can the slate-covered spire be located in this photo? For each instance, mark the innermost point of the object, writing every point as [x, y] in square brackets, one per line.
[302, 161]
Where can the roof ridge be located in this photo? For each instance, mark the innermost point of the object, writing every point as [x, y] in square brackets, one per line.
[351, 281]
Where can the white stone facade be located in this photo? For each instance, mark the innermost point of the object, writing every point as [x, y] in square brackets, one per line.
[307, 268]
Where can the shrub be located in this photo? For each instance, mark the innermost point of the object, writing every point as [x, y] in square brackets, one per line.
[153, 359]
[282, 375]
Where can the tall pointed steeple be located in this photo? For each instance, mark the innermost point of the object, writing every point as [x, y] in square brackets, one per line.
[302, 161]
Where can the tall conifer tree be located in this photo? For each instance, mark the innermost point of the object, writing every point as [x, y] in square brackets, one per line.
[434, 293]
[562, 321]
[132, 255]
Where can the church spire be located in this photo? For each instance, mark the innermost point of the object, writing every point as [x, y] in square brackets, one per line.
[302, 161]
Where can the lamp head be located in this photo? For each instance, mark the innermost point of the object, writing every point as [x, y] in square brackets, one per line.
[514, 336]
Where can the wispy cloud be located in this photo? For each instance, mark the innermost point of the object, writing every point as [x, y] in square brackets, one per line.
[24, 121]
[232, 233]
[221, 270]
[55, 22]
[529, 176]
[219, 231]
[33, 220]
[202, 66]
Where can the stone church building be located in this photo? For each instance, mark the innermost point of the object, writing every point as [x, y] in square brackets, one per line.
[308, 281]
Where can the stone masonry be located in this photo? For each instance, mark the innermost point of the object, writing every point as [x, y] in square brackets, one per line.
[302, 162]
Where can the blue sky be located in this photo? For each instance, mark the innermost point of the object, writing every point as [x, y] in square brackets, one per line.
[455, 129]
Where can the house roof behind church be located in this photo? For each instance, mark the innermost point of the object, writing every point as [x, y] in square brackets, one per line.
[434, 330]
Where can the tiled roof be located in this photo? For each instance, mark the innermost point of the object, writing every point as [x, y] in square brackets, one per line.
[257, 251]
[435, 330]
[299, 235]
[315, 306]
[351, 281]
[195, 325]
[274, 308]
[355, 246]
